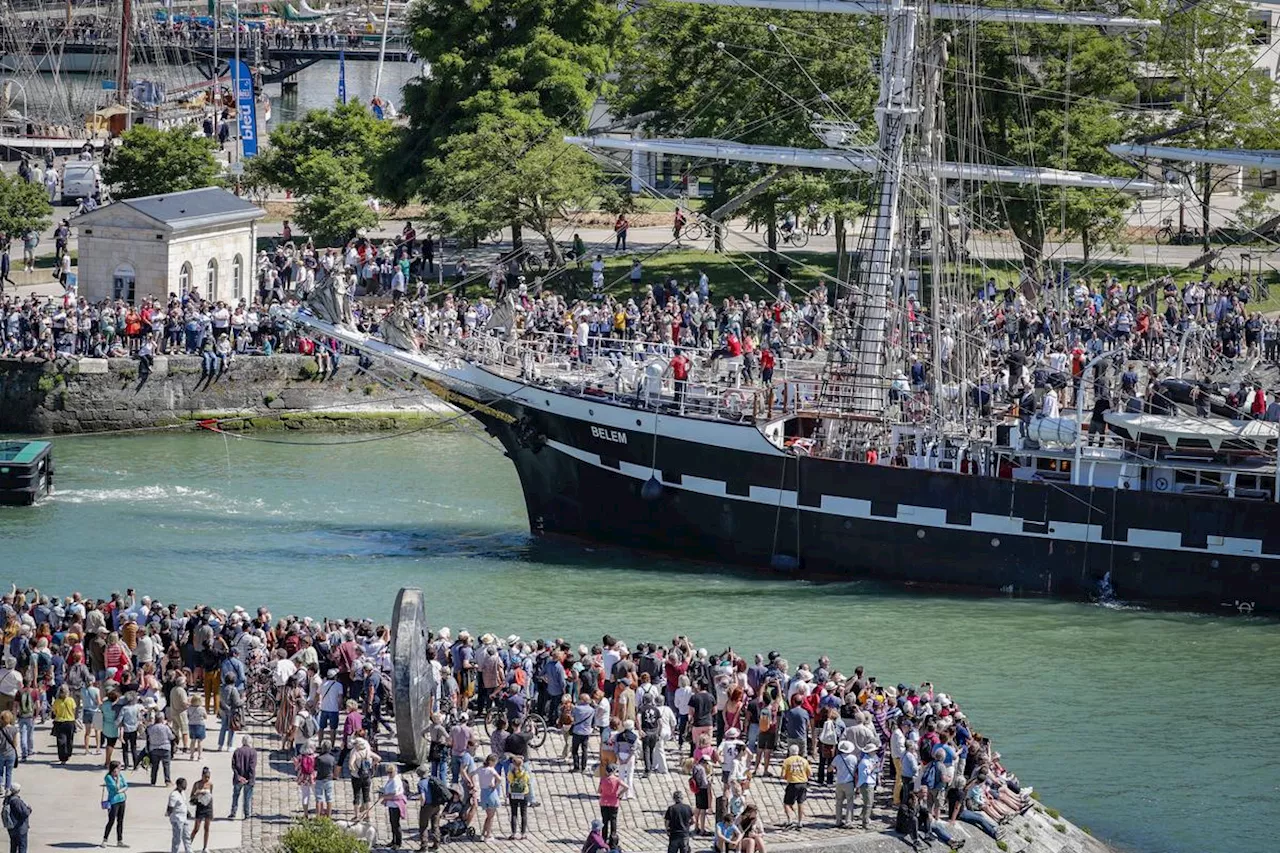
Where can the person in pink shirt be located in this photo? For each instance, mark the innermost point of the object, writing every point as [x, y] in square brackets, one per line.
[611, 790]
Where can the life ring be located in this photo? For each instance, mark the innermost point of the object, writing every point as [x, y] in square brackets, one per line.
[734, 402]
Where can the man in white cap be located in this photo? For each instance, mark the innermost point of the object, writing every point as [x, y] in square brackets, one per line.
[846, 768]
[868, 778]
[18, 815]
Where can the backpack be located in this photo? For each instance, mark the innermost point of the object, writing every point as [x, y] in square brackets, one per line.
[830, 734]
[519, 784]
[439, 791]
[309, 727]
[6, 815]
[306, 767]
[766, 718]
[364, 770]
[907, 822]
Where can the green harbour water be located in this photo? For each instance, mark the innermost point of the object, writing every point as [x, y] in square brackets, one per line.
[1151, 729]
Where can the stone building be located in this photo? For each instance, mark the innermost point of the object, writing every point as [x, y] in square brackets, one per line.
[199, 240]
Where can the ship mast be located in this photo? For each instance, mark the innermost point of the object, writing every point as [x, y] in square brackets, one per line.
[122, 75]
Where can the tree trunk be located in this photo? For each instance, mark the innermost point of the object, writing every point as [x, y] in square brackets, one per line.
[718, 236]
[771, 241]
[842, 257]
[1206, 193]
[1086, 244]
[557, 256]
[517, 239]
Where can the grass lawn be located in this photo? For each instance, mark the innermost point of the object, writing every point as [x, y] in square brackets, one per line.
[739, 273]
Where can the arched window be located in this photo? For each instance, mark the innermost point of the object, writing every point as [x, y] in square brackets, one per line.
[211, 280]
[237, 277]
[184, 279]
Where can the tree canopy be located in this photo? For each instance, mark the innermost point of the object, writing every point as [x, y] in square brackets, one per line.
[1058, 111]
[1207, 51]
[508, 78]
[754, 75]
[153, 162]
[23, 206]
[326, 159]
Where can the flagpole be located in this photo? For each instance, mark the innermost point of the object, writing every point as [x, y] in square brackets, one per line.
[235, 148]
[236, 151]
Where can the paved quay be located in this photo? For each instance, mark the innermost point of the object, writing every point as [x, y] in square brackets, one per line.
[66, 815]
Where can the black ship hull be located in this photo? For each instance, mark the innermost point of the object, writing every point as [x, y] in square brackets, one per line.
[707, 490]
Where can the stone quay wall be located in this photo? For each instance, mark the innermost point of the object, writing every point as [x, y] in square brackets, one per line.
[277, 392]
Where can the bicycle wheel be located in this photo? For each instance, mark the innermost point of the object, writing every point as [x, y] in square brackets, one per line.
[535, 730]
[260, 705]
[1225, 265]
[692, 231]
[1164, 236]
[799, 239]
[491, 720]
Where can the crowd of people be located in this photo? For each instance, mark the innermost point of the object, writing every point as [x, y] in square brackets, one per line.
[136, 683]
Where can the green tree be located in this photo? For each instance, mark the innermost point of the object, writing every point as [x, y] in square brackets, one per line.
[23, 206]
[726, 73]
[509, 77]
[1207, 48]
[1058, 111]
[154, 162]
[333, 205]
[348, 132]
[1256, 210]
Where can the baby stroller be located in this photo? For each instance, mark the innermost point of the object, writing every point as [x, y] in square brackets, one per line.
[456, 829]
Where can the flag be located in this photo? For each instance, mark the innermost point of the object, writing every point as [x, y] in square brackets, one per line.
[247, 107]
[342, 76]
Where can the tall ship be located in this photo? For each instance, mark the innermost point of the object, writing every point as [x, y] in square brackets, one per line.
[842, 468]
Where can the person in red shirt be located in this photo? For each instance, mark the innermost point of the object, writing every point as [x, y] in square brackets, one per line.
[767, 362]
[733, 345]
[680, 372]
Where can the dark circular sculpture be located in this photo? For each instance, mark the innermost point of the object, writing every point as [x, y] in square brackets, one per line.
[411, 675]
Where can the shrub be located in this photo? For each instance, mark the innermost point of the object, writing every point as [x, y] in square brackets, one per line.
[1002, 846]
[268, 399]
[308, 370]
[319, 835]
[1053, 813]
[1061, 827]
[369, 389]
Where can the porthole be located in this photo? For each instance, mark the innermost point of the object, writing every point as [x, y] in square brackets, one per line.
[638, 422]
[1254, 567]
[848, 525]
[995, 542]
[591, 412]
[1213, 564]
[548, 402]
[1137, 556]
[919, 534]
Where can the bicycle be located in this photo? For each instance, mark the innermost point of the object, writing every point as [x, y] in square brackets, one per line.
[796, 237]
[694, 231]
[533, 726]
[1181, 237]
[260, 701]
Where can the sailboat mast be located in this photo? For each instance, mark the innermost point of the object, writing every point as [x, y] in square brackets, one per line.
[382, 51]
[122, 76]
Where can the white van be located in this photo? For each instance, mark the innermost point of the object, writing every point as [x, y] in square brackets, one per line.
[79, 180]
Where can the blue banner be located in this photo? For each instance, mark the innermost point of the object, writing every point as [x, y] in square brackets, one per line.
[248, 109]
[342, 76]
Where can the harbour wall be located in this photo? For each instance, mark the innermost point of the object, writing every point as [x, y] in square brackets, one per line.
[276, 392]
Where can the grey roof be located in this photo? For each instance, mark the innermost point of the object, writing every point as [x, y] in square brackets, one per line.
[184, 210]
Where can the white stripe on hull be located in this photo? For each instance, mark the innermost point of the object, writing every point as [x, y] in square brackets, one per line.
[926, 516]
